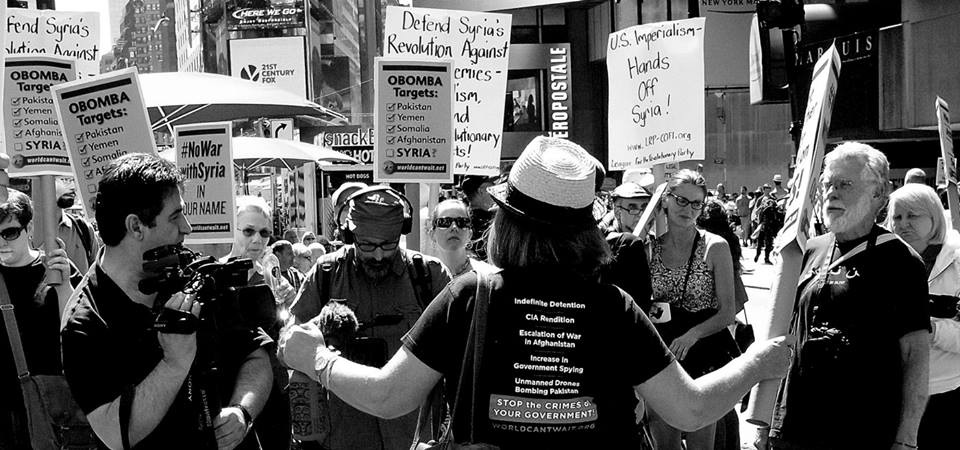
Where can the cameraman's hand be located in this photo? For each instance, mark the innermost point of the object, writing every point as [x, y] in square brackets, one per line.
[180, 349]
[773, 356]
[285, 293]
[299, 345]
[229, 428]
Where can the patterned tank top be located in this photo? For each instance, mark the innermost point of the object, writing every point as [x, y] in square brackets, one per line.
[668, 282]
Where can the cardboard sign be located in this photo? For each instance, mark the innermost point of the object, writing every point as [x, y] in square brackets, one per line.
[278, 61]
[204, 155]
[816, 123]
[102, 118]
[656, 113]
[949, 161]
[66, 34]
[651, 211]
[478, 43]
[414, 108]
[32, 131]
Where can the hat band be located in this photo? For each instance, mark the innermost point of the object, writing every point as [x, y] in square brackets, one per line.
[546, 213]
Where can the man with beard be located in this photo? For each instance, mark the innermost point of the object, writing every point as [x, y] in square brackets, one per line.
[387, 287]
[81, 240]
[859, 376]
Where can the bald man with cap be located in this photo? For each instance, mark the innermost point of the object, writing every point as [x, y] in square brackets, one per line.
[387, 287]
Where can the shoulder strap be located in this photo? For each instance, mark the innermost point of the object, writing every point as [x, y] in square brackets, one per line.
[686, 277]
[85, 238]
[472, 351]
[866, 245]
[13, 332]
[421, 279]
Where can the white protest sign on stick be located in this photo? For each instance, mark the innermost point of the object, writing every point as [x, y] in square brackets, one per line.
[204, 155]
[34, 142]
[102, 118]
[478, 43]
[656, 104]
[57, 33]
[792, 239]
[643, 226]
[414, 108]
[949, 160]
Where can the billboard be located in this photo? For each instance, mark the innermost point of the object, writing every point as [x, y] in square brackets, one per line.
[276, 61]
[264, 14]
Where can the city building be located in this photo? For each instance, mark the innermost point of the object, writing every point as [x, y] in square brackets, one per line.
[147, 37]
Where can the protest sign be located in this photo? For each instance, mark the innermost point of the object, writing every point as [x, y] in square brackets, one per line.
[57, 33]
[949, 160]
[792, 240]
[32, 132]
[204, 155]
[941, 178]
[809, 162]
[643, 226]
[478, 43]
[656, 110]
[414, 108]
[102, 118]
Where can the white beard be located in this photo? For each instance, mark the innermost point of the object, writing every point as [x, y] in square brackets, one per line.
[851, 216]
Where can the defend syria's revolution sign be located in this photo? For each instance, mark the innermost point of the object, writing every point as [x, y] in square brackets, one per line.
[66, 34]
[34, 142]
[102, 118]
[204, 156]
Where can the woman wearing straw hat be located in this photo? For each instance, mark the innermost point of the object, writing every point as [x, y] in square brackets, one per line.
[538, 354]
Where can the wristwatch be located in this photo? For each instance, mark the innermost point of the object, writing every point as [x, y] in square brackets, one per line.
[247, 417]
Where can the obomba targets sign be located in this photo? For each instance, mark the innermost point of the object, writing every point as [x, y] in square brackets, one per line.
[276, 61]
[102, 118]
[32, 131]
[204, 157]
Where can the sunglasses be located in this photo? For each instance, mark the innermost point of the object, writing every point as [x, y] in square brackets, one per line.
[249, 232]
[631, 211]
[683, 201]
[11, 234]
[447, 222]
[386, 246]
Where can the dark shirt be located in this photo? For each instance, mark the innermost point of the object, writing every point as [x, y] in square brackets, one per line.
[844, 387]
[108, 345]
[562, 355]
[38, 320]
[629, 269]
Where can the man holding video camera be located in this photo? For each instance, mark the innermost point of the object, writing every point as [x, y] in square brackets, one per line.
[387, 287]
[135, 384]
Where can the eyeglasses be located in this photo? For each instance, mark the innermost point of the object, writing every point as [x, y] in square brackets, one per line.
[683, 201]
[386, 246]
[838, 184]
[249, 232]
[447, 222]
[631, 211]
[11, 234]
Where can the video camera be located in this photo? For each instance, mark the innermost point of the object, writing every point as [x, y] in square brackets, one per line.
[220, 287]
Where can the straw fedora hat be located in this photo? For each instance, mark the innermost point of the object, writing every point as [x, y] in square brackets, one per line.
[551, 183]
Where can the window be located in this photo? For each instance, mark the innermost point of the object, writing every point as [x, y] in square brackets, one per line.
[523, 101]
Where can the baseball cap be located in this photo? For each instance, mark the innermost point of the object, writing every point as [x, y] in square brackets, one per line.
[630, 190]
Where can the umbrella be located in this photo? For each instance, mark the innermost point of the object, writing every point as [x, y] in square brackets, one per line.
[177, 98]
[253, 152]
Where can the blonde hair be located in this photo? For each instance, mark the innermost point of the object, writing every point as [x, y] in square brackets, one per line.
[922, 198]
[687, 176]
[254, 204]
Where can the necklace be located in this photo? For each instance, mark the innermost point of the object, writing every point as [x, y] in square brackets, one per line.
[463, 267]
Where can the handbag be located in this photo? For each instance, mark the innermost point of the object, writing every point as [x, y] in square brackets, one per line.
[474, 352]
[54, 420]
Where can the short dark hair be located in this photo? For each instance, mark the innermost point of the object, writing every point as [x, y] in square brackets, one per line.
[514, 243]
[282, 245]
[135, 183]
[18, 206]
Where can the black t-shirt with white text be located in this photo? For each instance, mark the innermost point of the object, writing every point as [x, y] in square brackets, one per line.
[562, 355]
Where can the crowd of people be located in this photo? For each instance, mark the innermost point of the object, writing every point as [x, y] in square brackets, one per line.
[541, 320]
